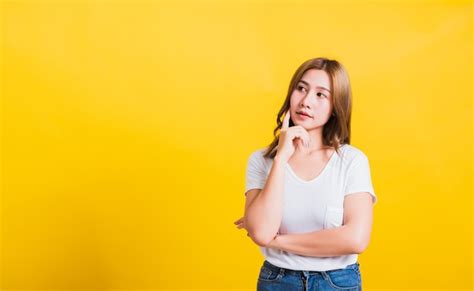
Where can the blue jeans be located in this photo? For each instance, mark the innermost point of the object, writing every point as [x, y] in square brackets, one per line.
[273, 278]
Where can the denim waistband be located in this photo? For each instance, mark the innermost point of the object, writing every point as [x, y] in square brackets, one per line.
[300, 272]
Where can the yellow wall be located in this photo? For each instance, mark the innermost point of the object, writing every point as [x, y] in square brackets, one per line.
[126, 127]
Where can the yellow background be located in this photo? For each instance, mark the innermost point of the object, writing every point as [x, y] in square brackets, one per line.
[126, 128]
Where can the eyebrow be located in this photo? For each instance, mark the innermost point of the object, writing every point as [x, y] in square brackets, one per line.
[303, 81]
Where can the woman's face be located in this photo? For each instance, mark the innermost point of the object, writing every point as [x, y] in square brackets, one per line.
[313, 97]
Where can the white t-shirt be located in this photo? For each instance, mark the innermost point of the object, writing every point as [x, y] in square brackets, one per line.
[313, 205]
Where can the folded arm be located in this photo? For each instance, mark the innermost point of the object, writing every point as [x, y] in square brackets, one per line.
[350, 238]
[263, 210]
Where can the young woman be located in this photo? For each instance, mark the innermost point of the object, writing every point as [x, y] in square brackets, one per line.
[309, 194]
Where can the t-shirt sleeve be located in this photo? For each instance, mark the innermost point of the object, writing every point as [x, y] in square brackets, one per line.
[255, 176]
[359, 178]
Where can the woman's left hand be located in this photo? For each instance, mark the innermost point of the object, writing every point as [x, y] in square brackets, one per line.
[241, 224]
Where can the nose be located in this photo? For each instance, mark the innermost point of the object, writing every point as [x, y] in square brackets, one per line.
[306, 99]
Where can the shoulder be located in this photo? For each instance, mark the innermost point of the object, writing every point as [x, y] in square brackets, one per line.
[257, 156]
[258, 153]
[353, 154]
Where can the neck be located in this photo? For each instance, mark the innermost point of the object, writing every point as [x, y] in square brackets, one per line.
[316, 144]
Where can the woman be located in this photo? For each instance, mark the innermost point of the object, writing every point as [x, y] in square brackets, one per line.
[309, 194]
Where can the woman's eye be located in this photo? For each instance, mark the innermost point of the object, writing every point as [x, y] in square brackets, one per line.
[300, 88]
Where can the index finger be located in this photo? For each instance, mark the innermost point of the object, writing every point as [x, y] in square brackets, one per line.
[286, 120]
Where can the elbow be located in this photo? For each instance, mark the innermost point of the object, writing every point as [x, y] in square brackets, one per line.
[260, 239]
[256, 234]
[358, 239]
[359, 245]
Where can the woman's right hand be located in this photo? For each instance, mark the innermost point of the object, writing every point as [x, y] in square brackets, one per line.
[289, 136]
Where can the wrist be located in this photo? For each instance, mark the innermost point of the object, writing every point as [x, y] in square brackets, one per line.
[280, 160]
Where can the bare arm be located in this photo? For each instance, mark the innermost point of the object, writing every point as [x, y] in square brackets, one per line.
[351, 238]
[263, 215]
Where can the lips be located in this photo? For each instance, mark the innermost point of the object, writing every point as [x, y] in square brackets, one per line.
[303, 113]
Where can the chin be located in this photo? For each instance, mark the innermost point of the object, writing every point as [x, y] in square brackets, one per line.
[306, 125]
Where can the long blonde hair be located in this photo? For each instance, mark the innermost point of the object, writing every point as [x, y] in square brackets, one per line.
[337, 130]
